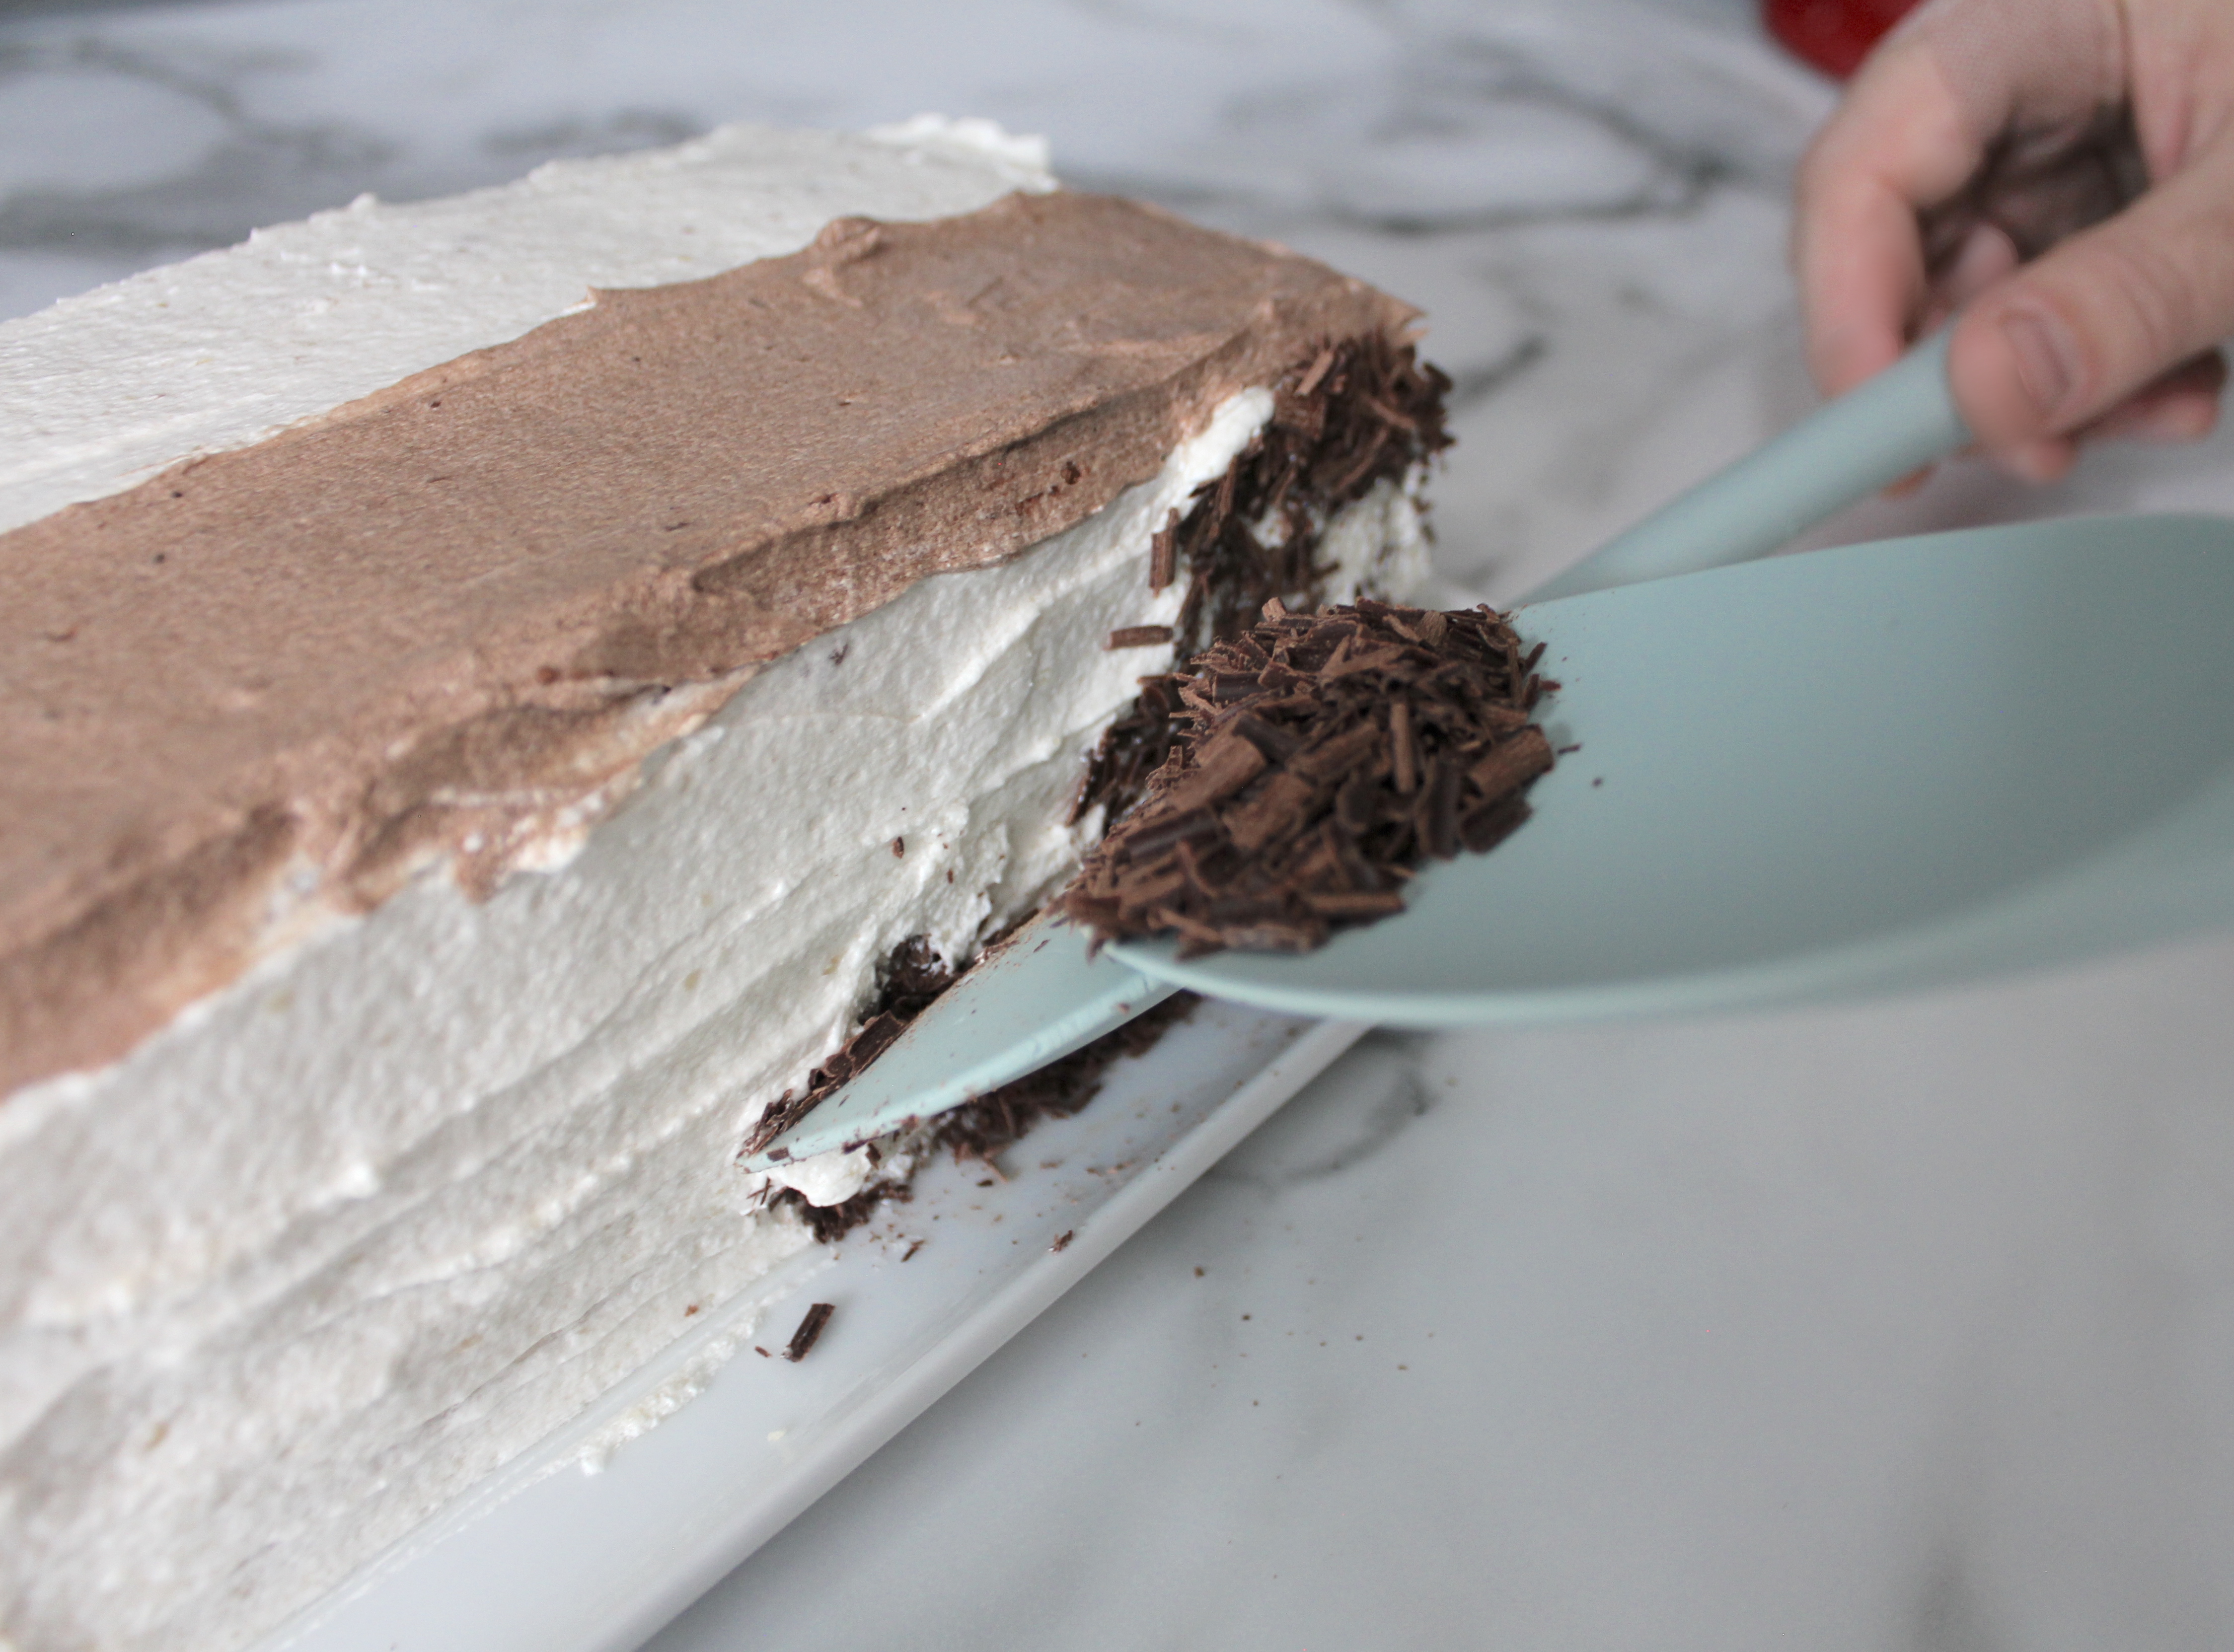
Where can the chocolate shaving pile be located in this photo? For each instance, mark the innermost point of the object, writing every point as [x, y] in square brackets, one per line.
[1359, 411]
[1329, 755]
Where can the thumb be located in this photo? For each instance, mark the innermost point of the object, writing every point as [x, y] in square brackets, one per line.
[2071, 335]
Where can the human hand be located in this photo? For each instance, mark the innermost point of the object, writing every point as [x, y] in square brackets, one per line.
[2061, 172]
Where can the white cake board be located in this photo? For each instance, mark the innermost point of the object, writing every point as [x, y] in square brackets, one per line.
[544, 1556]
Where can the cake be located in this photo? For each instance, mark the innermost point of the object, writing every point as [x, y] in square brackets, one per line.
[497, 689]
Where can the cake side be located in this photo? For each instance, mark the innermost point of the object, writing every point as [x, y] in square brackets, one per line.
[449, 620]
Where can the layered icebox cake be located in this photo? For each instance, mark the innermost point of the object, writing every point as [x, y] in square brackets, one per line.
[495, 688]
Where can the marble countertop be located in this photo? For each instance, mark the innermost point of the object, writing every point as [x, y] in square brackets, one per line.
[1905, 1324]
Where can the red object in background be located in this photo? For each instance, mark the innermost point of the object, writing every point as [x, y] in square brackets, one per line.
[1833, 35]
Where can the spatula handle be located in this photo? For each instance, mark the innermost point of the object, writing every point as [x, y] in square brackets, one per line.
[1845, 450]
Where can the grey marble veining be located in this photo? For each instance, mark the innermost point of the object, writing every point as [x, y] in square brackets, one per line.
[1904, 1325]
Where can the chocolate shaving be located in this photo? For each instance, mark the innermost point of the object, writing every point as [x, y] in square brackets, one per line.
[809, 1332]
[1361, 411]
[1138, 636]
[1164, 556]
[1404, 760]
[1328, 756]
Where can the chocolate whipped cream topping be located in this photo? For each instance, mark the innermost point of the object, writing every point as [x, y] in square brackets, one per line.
[440, 617]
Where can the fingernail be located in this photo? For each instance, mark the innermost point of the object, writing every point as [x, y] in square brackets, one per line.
[2045, 357]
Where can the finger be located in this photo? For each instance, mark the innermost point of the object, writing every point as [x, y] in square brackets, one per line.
[1987, 256]
[2048, 459]
[2182, 406]
[1897, 143]
[2074, 334]
[2168, 419]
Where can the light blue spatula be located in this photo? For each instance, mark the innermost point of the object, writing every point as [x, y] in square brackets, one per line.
[1880, 765]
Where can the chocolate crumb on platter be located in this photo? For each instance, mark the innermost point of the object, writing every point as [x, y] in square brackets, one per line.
[1317, 761]
[809, 1332]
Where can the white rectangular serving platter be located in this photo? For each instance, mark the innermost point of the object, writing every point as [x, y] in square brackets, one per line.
[595, 1538]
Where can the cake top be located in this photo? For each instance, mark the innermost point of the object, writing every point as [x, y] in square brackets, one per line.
[100, 391]
[432, 621]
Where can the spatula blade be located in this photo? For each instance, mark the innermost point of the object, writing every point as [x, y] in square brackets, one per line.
[1037, 999]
